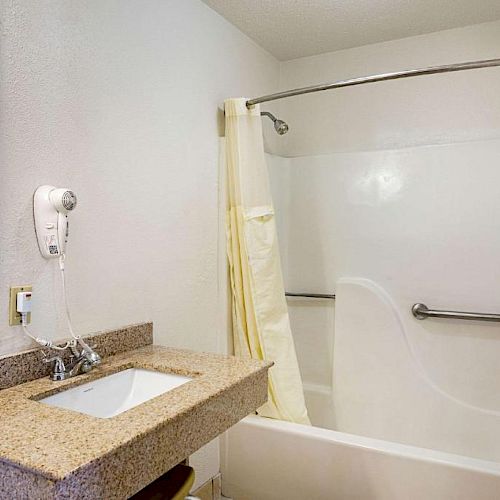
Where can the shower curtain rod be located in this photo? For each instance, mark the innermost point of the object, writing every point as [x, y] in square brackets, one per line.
[432, 70]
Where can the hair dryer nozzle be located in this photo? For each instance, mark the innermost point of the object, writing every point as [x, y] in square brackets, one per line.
[64, 200]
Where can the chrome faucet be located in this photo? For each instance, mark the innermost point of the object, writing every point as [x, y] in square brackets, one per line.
[81, 362]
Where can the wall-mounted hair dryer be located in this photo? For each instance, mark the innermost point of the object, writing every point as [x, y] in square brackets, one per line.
[51, 206]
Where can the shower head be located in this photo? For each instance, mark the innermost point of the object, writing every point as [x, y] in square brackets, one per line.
[279, 125]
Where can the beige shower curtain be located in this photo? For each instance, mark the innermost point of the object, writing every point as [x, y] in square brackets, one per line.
[261, 327]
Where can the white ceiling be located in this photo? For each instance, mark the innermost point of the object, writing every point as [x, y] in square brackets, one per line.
[298, 28]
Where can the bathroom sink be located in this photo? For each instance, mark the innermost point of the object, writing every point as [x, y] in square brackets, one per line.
[109, 396]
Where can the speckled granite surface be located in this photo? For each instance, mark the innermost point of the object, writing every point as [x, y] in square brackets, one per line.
[63, 454]
[28, 365]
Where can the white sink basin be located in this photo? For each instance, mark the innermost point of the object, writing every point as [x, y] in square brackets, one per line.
[109, 396]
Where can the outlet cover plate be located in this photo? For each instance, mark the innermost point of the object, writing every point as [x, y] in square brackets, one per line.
[14, 316]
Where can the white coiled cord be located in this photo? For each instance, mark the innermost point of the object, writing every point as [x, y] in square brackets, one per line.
[43, 342]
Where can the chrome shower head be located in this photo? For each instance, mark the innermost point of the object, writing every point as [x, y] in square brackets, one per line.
[279, 125]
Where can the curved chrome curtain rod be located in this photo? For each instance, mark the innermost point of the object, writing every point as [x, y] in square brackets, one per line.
[432, 70]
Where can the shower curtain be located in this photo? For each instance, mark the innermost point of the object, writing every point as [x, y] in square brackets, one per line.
[261, 327]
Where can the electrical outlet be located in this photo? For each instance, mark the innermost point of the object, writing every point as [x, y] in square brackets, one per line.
[14, 316]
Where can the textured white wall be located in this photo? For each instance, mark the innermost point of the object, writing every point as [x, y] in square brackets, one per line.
[426, 110]
[119, 101]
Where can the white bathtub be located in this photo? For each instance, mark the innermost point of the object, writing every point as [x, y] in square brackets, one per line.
[264, 459]
[383, 430]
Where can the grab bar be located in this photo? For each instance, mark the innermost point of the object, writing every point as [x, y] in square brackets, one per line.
[311, 295]
[421, 311]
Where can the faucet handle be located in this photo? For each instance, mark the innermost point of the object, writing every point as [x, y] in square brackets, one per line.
[58, 364]
[53, 358]
[92, 356]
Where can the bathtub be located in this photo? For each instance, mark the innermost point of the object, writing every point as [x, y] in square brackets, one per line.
[264, 459]
[387, 425]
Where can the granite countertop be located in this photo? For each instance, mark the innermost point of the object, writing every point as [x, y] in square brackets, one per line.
[59, 453]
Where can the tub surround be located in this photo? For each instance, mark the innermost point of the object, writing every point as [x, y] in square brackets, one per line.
[50, 452]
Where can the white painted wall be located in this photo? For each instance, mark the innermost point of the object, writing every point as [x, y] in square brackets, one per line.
[119, 101]
[397, 183]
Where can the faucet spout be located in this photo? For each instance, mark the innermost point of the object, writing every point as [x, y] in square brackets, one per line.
[81, 365]
[84, 361]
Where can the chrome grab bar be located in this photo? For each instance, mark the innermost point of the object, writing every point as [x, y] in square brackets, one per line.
[311, 295]
[421, 311]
